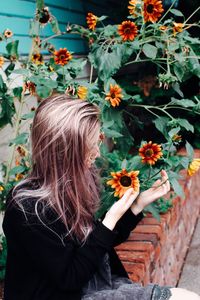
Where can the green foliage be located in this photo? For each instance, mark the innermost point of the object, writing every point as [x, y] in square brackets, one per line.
[3, 256]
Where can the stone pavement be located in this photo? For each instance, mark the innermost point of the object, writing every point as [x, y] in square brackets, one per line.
[190, 276]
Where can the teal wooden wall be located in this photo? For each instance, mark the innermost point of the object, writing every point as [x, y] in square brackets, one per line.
[16, 14]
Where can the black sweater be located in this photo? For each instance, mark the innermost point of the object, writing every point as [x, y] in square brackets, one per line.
[40, 266]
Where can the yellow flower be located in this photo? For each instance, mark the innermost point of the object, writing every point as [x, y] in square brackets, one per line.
[8, 33]
[178, 27]
[1, 61]
[82, 92]
[193, 167]
[37, 58]
[124, 180]
[132, 7]
[1, 188]
[115, 95]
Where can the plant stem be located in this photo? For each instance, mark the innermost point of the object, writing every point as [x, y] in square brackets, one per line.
[91, 73]
[17, 124]
[167, 11]
[192, 15]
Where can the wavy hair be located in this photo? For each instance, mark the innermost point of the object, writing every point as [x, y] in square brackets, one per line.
[63, 132]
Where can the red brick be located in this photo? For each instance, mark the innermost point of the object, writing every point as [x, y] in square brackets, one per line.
[136, 246]
[136, 257]
[149, 229]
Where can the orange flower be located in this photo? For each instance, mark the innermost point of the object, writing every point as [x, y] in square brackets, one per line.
[114, 96]
[1, 188]
[91, 21]
[62, 56]
[152, 10]
[132, 6]
[124, 180]
[150, 153]
[163, 28]
[8, 33]
[82, 92]
[1, 61]
[37, 58]
[22, 151]
[178, 27]
[177, 138]
[193, 167]
[128, 30]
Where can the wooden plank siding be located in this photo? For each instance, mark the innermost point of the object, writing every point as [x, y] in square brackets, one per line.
[16, 14]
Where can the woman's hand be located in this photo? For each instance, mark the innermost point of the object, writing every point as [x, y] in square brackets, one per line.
[160, 188]
[119, 208]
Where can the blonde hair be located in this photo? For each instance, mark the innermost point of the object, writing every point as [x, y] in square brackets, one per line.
[63, 132]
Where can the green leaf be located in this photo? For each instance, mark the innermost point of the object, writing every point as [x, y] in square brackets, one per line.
[190, 150]
[152, 209]
[12, 48]
[174, 131]
[9, 68]
[18, 92]
[102, 18]
[176, 12]
[20, 139]
[17, 170]
[43, 91]
[55, 25]
[185, 124]
[34, 28]
[177, 187]
[150, 51]
[182, 102]
[7, 110]
[40, 4]
[3, 87]
[24, 72]
[28, 116]
[124, 164]
[112, 133]
[161, 124]
[179, 71]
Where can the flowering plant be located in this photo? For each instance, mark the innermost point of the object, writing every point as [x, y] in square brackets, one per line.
[116, 53]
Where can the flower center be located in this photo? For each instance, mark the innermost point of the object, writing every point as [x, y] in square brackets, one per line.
[149, 152]
[125, 181]
[112, 95]
[150, 8]
[62, 56]
[127, 30]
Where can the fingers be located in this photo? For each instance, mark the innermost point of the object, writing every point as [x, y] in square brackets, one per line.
[130, 195]
[165, 180]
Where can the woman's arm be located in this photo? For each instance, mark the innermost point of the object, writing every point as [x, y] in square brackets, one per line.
[67, 267]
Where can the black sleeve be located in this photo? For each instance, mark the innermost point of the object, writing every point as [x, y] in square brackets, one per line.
[125, 225]
[67, 266]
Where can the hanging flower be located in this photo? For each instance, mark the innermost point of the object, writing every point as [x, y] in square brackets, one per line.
[150, 153]
[127, 30]
[193, 167]
[19, 176]
[82, 92]
[132, 7]
[178, 27]
[177, 138]
[124, 180]
[91, 20]
[62, 56]
[163, 28]
[8, 33]
[1, 188]
[44, 16]
[115, 95]
[22, 151]
[153, 9]
[1, 61]
[30, 86]
[37, 58]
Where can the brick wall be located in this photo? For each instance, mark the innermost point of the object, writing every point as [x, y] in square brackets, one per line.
[155, 251]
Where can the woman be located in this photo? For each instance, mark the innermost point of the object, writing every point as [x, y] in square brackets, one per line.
[56, 249]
